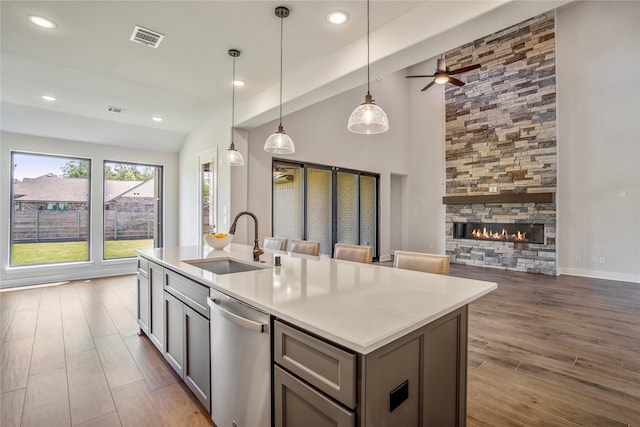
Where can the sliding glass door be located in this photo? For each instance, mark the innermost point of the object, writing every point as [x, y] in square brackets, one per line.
[325, 204]
[319, 217]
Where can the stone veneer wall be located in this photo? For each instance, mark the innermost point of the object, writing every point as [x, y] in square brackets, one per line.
[501, 132]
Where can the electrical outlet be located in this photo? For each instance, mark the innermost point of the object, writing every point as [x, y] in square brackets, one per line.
[602, 260]
[579, 259]
[493, 189]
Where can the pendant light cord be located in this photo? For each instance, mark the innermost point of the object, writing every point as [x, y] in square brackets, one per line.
[233, 98]
[281, 37]
[368, 55]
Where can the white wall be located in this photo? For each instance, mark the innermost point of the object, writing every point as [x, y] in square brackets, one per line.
[598, 81]
[426, 184]
[598, 147]
[98, 153]
[320, 135]
[231, 181]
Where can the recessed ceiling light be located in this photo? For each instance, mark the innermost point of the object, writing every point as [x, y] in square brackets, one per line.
[48, 97]
[42, 22]
[157, 119]
[337, 17]
[238, 83]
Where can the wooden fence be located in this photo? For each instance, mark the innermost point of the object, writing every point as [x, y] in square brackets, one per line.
[32, 226]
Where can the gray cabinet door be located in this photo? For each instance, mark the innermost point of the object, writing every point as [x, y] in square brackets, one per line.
[321, 364]
[297, 404]
[156, 296]
[143, 303]
[197, 368]
[174, 333]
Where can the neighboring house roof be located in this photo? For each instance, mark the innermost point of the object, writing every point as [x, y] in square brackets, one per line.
[51, 187]
[138, 189]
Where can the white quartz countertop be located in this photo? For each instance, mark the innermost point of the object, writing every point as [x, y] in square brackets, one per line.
[359, 306]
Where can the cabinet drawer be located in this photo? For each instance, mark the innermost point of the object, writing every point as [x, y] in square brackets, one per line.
[189, 292]
[323, 365]
[297, 404]
[143, 266]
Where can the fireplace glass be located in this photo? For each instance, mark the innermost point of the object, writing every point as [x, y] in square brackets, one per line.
[525, 233]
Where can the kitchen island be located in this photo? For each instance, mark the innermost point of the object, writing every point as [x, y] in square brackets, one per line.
[383, 346]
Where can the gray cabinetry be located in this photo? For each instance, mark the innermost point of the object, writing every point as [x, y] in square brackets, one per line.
[321, 364]
[197, 365]
[417, 380]
[156, 298]
[143, 299]
[323, 373]
[187, 338]
[174, 339]
[297, 404]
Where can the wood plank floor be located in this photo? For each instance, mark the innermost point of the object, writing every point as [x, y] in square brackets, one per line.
[554, 351]
[71, 356]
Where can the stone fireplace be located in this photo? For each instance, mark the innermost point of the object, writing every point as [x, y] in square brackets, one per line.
[501, 167]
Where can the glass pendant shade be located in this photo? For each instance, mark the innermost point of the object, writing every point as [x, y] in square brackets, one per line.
[368, 118]
[232, 156]
[279, 143]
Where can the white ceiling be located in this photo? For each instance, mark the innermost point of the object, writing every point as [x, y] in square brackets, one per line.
[88, 61]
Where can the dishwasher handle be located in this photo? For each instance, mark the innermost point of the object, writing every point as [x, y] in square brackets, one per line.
[238, 320]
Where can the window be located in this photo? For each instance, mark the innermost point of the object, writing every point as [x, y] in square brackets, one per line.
[208, 195]
[132, 208]
[51, 209]
[325, 204]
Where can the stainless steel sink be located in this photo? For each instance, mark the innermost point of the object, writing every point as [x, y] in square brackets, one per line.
[223, 266]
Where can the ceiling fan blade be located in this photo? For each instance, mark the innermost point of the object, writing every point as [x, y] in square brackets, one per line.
[455, 81]
[413, 77]
[465, 69]
[428, 86]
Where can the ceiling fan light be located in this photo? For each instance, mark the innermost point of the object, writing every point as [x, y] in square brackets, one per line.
[279, 143]
[232, 156]
[368, 118]
[441, 79]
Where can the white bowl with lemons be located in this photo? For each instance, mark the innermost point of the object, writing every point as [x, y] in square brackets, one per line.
[218, 241]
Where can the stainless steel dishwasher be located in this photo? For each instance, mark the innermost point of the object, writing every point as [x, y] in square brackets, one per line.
[240, 363]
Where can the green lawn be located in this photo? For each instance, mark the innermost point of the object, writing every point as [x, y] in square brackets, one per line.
[46, 253]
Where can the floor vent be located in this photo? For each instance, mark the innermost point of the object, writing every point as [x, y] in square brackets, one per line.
[147, 37]
[118, 110]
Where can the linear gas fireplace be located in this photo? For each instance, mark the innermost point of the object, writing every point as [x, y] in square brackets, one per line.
[524, 233]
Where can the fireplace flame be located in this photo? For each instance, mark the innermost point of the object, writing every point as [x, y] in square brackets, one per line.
[495, 235]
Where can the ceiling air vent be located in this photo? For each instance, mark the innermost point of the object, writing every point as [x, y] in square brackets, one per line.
[147, 37]
[118, 110]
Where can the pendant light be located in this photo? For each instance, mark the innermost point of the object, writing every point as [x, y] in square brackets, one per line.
[368, 118]
[280, 142]
[233, 156]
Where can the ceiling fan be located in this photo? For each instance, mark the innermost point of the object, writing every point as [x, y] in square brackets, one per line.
[443, 75]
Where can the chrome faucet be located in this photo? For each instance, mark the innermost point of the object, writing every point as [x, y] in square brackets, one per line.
[256, 248]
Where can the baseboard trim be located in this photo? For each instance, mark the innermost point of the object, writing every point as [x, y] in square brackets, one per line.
[595, 274]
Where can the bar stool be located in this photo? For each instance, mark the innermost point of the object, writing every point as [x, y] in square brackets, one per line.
[357, 253]
[418, 261]
[275, 243]
[306, 247]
